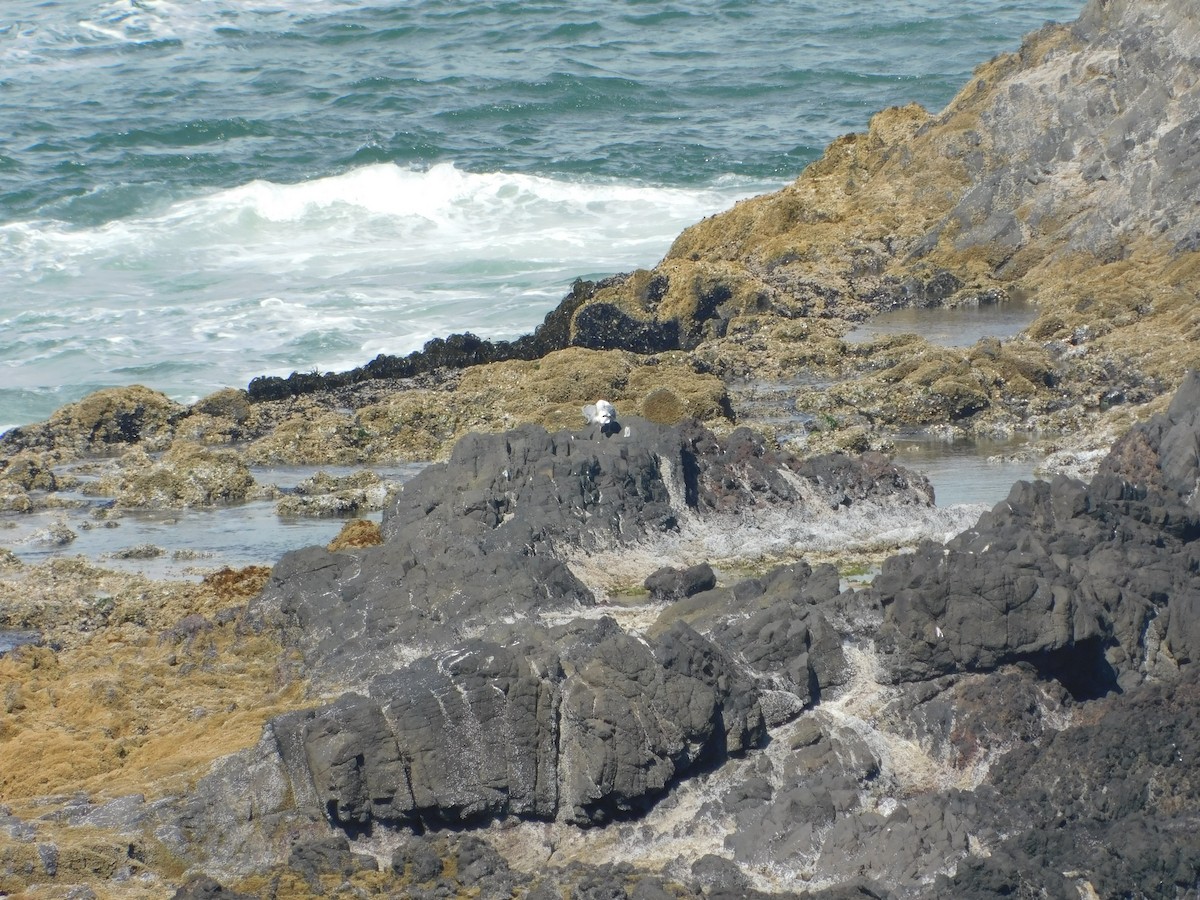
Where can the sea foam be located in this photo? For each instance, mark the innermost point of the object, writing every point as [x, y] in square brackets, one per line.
[269, 278]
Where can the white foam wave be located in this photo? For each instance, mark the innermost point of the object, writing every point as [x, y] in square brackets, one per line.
[272, 278]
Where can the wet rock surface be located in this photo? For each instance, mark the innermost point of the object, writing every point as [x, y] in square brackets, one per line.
[855, 738]
[484, 541]
[1095, 583]
[874, 739]
[1014, 707]
[551, 715]
[562, 666]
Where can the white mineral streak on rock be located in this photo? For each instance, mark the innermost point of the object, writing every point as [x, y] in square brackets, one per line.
[687, 823]
[749, 535]
[907, 768]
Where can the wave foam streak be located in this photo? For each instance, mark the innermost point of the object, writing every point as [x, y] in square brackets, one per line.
[269, 278]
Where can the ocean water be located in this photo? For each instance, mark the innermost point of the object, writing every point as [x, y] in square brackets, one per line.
[196, 192]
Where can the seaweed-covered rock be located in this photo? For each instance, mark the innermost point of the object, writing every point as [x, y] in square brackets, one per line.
[325, 495]
[187, 475]
[28, 471]
[106, 421]
[356, 534]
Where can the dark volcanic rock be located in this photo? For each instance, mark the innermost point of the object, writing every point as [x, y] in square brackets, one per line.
[201, 887]
[529, 491]
[491, 731]
[1115, 799]
[1029, 719]
[528, 488]
[779, 626]
[327, 855]
[580, 722]
[479, 541]
[356, 615]
[1097, 585]
[1060, 631]
[675, 584]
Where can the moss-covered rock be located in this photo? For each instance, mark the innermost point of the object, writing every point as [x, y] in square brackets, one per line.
[314, 435]
[102, 422]
[1056, 175]
[29, 471]
[187, 475]
[355, 534]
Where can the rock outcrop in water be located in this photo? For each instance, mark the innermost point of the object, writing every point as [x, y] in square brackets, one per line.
[1014, 707]
[537, 685]
[1063, 176]
[1097, 582]
[518, 701]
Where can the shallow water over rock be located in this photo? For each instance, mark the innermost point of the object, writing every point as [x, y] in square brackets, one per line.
[180, 542]
[962, 470]
[10, 640]
[960, 326]
[965, 470]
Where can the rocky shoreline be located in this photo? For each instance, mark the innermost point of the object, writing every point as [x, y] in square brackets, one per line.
[618, 661]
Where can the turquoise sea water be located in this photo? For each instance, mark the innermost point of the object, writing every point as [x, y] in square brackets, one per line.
[196, 192]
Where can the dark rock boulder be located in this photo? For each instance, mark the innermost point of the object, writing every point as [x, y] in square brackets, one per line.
[1095, 584]
[201, 887]
[596, 730]
[1161, 457]
[480, 541]
[327, 856]
[355, 615]
[580, 722]
[1056, 631]
[528, 489]
[418, 860]
[525, 488]
[669, 583]
[898, 801]
[1114, 800]
[779, 626]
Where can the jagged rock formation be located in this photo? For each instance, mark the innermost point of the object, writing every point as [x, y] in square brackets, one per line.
[1015, 708]
[1013, 712]
[480, 545]
[488, 731]
[919, 727]
[1061, 174]
[1096, 582]
[576, 722]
